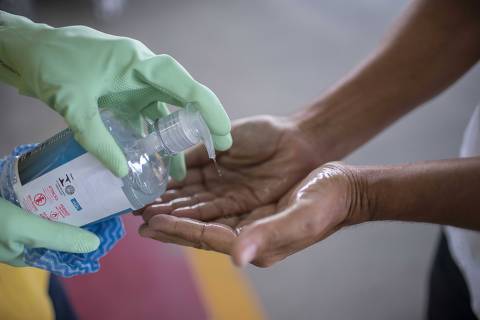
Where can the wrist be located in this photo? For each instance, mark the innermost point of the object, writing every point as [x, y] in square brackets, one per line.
[361, 200]
[385, 193]
[319, 131]
[441, 192]
[357, 201]
[331, 125]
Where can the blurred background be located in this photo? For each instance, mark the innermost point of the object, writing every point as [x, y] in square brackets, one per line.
[274, 57]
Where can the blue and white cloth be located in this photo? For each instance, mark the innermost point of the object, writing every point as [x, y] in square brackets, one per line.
[65, 264]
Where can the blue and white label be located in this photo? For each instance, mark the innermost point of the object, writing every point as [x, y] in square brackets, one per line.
[77, 192]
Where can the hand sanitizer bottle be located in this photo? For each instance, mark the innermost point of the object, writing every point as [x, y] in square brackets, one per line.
[60, 181]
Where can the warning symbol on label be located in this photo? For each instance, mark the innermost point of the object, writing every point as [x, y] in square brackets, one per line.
[40, 199]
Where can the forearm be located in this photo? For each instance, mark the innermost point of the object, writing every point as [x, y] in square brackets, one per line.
[432, 44]
[442, 192]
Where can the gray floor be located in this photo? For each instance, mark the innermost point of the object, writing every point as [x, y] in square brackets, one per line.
[274, 56]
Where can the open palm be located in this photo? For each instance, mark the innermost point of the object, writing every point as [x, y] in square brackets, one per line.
[318, 206]
[269, 156]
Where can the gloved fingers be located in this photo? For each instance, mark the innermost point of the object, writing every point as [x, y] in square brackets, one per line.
[178, 170]
[95, 138]
[84, 119]
[11, 20]
[24, 228]
[57, 236]
[222, 143]
[155, 110]
[10, 44]
[12, 253]
[18, 262]
[8, 75]
[167, 75]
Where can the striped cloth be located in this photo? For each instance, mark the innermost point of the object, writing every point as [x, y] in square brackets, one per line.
[65, 264]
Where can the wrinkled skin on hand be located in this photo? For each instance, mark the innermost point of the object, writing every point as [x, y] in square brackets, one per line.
[329, 198]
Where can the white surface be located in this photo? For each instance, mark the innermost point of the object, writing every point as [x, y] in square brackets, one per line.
[274, 56]
[465, 244]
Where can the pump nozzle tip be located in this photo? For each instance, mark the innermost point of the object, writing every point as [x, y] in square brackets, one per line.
[205, 135]
[181, 130]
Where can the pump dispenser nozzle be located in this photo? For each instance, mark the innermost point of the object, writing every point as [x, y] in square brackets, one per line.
[179, 131]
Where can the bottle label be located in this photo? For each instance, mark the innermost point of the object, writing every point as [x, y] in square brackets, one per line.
[72, 187]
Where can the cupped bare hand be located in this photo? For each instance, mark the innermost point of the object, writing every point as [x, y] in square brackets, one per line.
[331, 197]
[269, 156]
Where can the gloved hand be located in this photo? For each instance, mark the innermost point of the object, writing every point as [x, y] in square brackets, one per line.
[77, 70]
[19, 228]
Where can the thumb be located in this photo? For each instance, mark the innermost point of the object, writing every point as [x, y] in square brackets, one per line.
[178, 170]
[37, 232]
[262, 240]
[61, 237]
[84, 119]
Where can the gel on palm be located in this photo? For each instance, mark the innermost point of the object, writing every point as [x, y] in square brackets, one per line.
[60, 181]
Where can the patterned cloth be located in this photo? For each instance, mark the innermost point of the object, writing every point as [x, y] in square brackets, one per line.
[64, 264]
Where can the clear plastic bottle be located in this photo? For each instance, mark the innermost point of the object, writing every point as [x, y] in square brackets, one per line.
[60, 181]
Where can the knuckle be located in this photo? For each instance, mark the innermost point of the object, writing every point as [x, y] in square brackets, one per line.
[167, 60]
[202, 94]
[123, 43]
[15, 247]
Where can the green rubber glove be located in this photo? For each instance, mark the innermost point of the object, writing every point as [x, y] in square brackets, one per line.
[77, 70]
[19, 228]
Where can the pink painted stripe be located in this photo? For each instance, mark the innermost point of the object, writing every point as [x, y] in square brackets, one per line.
[139, 279]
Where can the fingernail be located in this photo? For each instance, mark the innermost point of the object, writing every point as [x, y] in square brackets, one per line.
[248, 254]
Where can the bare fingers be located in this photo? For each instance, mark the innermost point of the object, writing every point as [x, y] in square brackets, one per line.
[183, 231]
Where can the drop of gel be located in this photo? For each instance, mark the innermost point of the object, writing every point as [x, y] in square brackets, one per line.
[215, 164]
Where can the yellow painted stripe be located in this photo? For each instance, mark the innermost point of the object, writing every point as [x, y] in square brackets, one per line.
[224, 288]
[24, 294]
